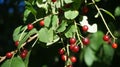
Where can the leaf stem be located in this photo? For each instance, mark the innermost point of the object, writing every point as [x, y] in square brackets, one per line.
[101, 15]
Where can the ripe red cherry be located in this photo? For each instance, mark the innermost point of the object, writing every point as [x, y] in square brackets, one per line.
[85, 28]
[54, 0]
[114, 45]
[64, 57]
[23, 55]
[16, 43]
[9, 54]
[41, 23]
[25, 50]
[75, 49]
[71, 46]
[106, 38]
[85, 10]
[69, 66]
[61, 51]
[30, 26]
[72, 40]
[86, 41]
[73, 59]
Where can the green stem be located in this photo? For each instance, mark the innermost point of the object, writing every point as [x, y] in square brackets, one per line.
[78, 34]
[103, 20]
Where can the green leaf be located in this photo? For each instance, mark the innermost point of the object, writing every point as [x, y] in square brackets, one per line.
[108, 53]
[97, 0]
[26, 14]
[54, 22]
[26, 36]
[47, 21]
[96, 40]
[14, 62]
[44, 6]
[62, 26]
[107, 12]
[68, 1]
[70, 31]
[71, 14]
[89, 56]
[46, 35]
[117, 11]
[26, 60]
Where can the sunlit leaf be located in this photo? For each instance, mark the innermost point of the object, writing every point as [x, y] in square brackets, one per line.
[117, 11]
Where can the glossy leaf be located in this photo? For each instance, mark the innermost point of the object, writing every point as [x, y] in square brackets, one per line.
[54, 22]
[107, 12]
[26, 14]
[62, 26]
[14, 62]
[71, 14]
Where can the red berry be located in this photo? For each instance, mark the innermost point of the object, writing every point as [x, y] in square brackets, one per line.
[69, 66]
[41, 23]
[72, 40]
[114, 45]
[54, 0]
[23, 55]
[106, 38]
[61, 51]
[86, 41]
[16, 43]
[64, 57]
[85, 28]
[75, 49]
[85, 10]
[30, 26]
[72, 46]
[9, 54]
[25, 51]
[73, 59]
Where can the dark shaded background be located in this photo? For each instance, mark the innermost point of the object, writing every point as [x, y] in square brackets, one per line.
[11, 15]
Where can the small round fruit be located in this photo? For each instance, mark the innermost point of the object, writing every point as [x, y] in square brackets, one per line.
[30, 26]
[71, 46]
[86, 41]
[41, 23]
[114, 45]
[9, 54]
[23, 55]
[73, 59]
[75, 49]
[25, 51]
[61, 51]
[54, 0]
[64, 57]
[72, 41]
[85, 28]
[16, 43]
[69, 66]
[85, 10]
[106, 38]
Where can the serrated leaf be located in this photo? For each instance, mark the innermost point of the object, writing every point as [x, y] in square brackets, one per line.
[107, 12]
[71, 14]
[96, 40]
[46, 35]
[68, 1]
[117, 11]
[70, 31]
[54, 22]
[14, 62]
[89, 56]
[47, 21]
[62, 26]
